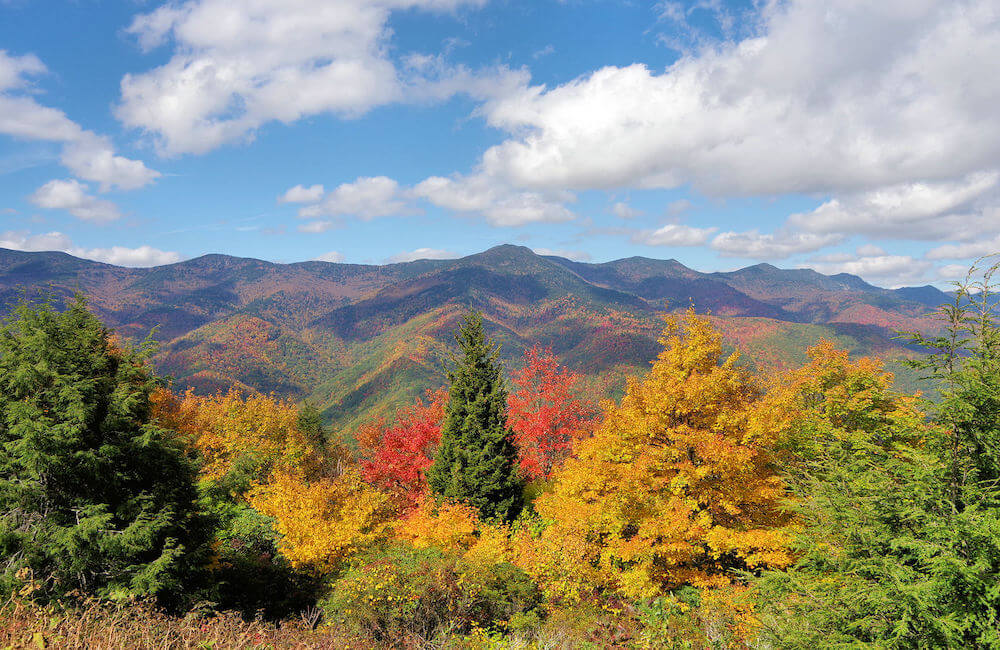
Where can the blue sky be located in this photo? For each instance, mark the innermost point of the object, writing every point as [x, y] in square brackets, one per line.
[841, 136]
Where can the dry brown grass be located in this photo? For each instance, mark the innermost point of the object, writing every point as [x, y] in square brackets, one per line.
[133, 626]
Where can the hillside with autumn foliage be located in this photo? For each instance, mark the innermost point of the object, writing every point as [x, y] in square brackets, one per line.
[361, 341]
[712, 504]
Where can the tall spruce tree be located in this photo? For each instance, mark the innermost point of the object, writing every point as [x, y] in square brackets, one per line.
[94, 498]
[476, 462]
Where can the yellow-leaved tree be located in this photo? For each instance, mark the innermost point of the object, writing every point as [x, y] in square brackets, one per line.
[250, 436]
[324, 521]
[260, 451]
[677, 487]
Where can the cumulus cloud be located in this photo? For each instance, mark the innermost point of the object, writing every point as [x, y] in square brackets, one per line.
[86, 154]
[500, 204]
[380, 196]
[92, 158]
[24, 241]
[674, 234]
[770, 246]
[423, 254]
[956, 209]
[143, 256]
[877, 266]
[909, 97]
[71, 195]
[986, 246]
[623, 210]
[952, 272]
[238, 64]
[897, 131]
[14, 70]
[332, 256]
[301, 194]
[366, 198]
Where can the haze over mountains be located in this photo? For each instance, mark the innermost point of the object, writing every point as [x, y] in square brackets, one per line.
[359, 340]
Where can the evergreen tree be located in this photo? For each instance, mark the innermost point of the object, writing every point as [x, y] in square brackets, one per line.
[94, 499]
[898, 517]
[476, 462]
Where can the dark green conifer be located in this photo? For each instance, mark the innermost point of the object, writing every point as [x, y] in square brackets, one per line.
[477, 460]
[94, 498]
[898, 520]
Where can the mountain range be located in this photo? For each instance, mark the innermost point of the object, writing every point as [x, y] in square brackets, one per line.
[360, 340]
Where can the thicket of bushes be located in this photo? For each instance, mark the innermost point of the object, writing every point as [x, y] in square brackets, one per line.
[709, 507]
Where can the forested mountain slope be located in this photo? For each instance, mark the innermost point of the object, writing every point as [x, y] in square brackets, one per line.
[359, 340]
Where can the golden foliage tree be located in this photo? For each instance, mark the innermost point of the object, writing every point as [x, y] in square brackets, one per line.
[325, 521]
[258, 450]
[678, 485]
[254, 435]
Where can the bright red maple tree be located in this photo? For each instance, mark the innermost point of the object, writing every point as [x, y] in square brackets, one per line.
[398, 454]
[546, 412]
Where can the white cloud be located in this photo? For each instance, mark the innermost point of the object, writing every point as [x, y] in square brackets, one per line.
[24, 118]
[986, 246]
[238, 64]
[24, 241]
[498, 203]
[875, 265]
[773, 246]
[86, 154]
[71, 195]
[623, 210]
[92, 158]
[332, 256]
[952, 272]
[674, 234]
[143, 256]
[380, 196]
[897, 127]
[422, 254]
[301, 194]
[576, 256]
[15, 69]
[956, 209]
[366, 198]
[871, 250]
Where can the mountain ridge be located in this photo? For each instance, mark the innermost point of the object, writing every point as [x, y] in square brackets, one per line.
[361, 339]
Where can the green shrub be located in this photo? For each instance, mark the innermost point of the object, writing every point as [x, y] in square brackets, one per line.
[422, 592]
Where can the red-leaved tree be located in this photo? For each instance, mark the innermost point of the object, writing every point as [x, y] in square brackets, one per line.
[397, 454]
[546, 412]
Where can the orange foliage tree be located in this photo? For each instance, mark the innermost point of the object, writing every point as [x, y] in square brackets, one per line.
[678, 485]
[397, 454]
[546, 413]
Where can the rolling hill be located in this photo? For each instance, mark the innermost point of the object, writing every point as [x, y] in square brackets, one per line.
[359, 340]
